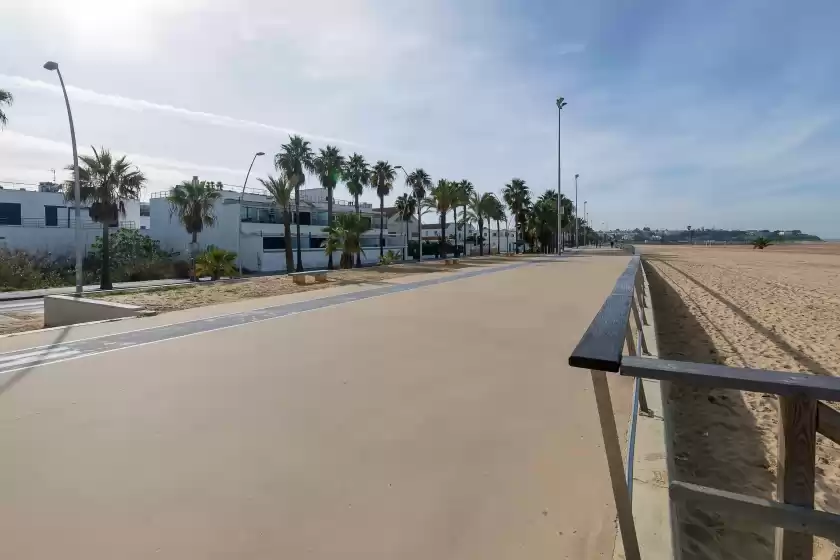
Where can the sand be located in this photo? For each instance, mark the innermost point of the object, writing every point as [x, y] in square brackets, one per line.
[774, 309]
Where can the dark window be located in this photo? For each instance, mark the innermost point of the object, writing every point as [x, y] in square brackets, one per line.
[366, 221]
[315, 242]
[9, 214]
[51, 215]
[274, 243]
[305, 218]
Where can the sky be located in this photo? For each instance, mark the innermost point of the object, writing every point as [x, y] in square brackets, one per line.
[705, 113]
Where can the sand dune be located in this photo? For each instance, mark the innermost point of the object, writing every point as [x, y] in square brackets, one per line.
[774, 309]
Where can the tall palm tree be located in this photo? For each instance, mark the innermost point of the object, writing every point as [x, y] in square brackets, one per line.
[345, 235]
[405, 205]
[328, 166]
[443, 197]
[105, 182]
[420, 183]
[282, 190]
[497, 212]
[382, 179]
[7, 99]
[357, 174]
[467, 189]
[479, 208]
[193, 202]
[518, 197]
[295, 160]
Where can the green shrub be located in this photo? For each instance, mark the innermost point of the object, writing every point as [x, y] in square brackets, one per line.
[215, 263]
[20, 270]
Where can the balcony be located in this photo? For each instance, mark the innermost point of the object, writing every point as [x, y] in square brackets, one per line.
[61, 224]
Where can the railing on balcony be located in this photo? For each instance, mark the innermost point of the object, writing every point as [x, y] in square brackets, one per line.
[262, 192]
[65, 224]
[802, 415]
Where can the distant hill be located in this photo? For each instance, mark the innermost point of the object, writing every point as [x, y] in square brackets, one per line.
[720, 236]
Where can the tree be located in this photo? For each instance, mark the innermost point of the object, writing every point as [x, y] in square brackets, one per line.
[193, 202]
[357, 175]
[761, 243]
[466, 189]
[443, 197]
[405, 206]
[215, 263]
[7, 99]
[282, 190]
[345, 235]
[104, 184]
[518, 198]
[295, 160]
[328, 166]
[479, 208]
[420, 183]
[497, 213]
[382, 179]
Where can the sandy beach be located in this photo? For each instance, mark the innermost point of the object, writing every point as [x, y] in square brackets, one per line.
[774, 309]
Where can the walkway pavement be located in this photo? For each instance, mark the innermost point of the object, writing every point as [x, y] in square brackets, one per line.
[439, 420]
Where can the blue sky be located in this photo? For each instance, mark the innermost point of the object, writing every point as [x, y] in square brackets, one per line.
[704, 113]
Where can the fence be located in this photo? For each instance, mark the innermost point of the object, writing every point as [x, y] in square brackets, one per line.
[60, 223]
[802, 415]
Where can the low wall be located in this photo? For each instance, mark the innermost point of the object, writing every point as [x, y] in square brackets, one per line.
[60, 311]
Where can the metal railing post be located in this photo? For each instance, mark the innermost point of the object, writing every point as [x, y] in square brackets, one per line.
[612, 448]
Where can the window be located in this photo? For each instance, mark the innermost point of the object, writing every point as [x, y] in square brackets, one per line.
[366, 221]
[274, 243]
[305, 219]
[9, 214]
[51, 215]
[315, 242]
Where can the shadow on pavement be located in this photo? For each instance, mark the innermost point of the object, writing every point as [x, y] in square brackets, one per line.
[19, 375]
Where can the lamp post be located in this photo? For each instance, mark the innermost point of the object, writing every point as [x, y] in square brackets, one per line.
[419, 240]
[50, 65]
[577, 217]
[239, 218]
[585, 219]
[560, 104]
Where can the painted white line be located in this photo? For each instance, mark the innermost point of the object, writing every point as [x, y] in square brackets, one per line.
[46, 351]
[36, 360]
[89, 354]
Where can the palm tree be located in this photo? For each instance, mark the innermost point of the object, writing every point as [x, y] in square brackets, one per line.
[357, 174]
[382, 179]
[419, 182]
[345, 235]
[295, 160]
[518, 197]
[405, 206]
[328, 166]
[215, 263]
[467, 189]
[443, 197]
[193, 202]
[282, 191]
[479, 207]
[104, 183]
[6, 98]
[497, 212]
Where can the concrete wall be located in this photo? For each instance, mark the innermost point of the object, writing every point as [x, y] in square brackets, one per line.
[68, 310]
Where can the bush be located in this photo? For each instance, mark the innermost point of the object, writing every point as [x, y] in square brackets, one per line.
[215, 263]
[20, 270]
[134, 257]
[389, 258]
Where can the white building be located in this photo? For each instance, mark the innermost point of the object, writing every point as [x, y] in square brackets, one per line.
[258, 223]
[43, 222]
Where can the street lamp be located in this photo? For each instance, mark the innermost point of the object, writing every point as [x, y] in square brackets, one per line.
[585, 219]
[419, 249]
[239, 219]
[50, 65]
[560, 104]
[577, 217]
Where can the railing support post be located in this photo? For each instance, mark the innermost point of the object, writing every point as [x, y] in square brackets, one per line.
[612, 447]
[797, 450]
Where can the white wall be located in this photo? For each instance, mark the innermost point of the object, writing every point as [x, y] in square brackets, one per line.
[35, 237]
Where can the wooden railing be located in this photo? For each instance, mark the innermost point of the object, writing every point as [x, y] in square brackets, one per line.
[802, 415]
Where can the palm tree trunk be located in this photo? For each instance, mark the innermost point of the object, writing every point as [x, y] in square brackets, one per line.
[299, 267]
[105, 280]
[381, 226]
[464, 226]
[455, 217]
[419, 232]
[442, 247]
[329, 222]
[498, 239]
[358, 255]
[480, 236]
[287, 240]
